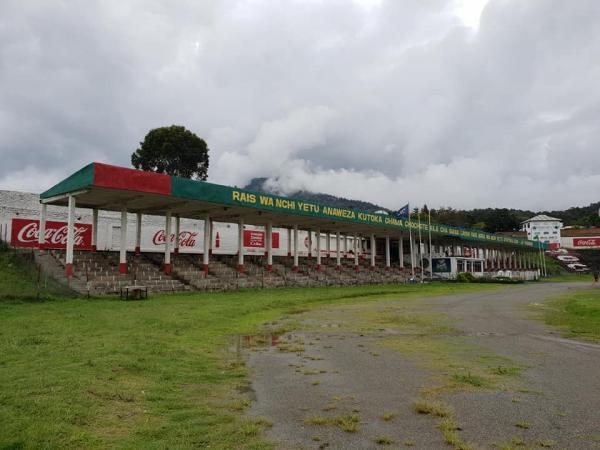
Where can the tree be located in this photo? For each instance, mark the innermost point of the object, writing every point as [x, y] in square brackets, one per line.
[173, 150]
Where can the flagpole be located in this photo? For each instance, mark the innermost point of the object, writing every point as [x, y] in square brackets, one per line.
[430, 249]
[420, 243]
[410, 241]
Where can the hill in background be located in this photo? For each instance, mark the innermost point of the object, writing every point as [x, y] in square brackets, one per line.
[489, 219]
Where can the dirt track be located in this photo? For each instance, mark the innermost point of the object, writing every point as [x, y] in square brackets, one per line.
[346, 370]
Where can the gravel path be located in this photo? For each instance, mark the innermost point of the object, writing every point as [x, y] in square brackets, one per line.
[347, 375]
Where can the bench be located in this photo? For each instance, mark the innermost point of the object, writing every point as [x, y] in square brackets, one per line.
[134, 292]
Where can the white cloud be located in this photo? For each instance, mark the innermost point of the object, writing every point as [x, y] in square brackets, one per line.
[445, 102]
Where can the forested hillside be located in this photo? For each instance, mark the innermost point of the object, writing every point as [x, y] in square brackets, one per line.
[488, 219]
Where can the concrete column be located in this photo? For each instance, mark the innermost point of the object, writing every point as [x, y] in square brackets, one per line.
[295, 266]
[309, 242]
[167, 263]
[387, 253]
[123, 243]
[289, 240]
[94, 229]
[42, 230]
[177, 228]
[212, 234]
[356, 265]
[328, 244]
[70, 237]
[241, 245]
[138, 233]
[401, 251]
[207, 242]
[373, 251]
[412, 256]
[345, 246]
[337, 251]
[318, 238]
[269, 246]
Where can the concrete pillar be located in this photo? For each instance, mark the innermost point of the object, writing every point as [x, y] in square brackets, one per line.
[123, 243]
[328, 244]
[241, 245]
[177, 228]
[412, 255]
[70, 237]
[42, 230]
[372, 251]
[207, 242]
[318, 238]
[356, 266]
[338, 252]
[387, 253]
[345, 246]
[94, 229]
[309, 243]
[269, 246]
[138, 233]
[289, 242]
[295, 267]
[167, 259]
[401, 251]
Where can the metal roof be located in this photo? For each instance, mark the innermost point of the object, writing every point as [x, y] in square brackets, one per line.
[542, 218]
[113, 188]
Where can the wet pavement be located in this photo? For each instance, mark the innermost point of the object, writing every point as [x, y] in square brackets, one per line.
[327, 386]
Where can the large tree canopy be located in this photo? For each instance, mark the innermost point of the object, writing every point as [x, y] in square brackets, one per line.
[173, 150]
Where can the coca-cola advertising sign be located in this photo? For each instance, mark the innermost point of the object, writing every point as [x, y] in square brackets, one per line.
[586, 242]
[255, 238]
[25, 233]
[186, 238]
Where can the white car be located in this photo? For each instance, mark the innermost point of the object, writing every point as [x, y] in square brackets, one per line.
[567, 258]
[577, 267]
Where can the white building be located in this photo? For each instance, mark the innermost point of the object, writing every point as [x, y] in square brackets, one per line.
[543, 228]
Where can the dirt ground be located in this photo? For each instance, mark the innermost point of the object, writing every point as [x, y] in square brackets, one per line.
[350, 375]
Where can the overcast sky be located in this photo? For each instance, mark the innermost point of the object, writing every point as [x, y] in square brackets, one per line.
[468, 103]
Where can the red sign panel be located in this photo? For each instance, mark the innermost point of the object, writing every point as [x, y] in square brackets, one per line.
[586, 242]
[25, 233]
[254, 238]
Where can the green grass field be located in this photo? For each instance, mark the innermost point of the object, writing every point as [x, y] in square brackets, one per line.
[102, 373]
[577, 315]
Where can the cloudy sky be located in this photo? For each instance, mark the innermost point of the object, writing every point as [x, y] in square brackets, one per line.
[464, 103]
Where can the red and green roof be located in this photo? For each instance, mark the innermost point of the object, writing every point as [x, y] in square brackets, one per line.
[109, 178]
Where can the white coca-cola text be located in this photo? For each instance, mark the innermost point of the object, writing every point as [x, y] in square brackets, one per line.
[55, 236]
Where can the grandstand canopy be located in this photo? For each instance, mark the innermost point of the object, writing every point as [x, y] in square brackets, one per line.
[114, 188]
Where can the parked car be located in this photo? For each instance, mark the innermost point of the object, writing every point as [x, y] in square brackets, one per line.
[567, 258]
[578, 267]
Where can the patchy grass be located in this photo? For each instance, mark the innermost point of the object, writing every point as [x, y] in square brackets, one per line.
[347, 422]
[471, 379]
[451, 437]
[577, 315]
[433, 408]
[388, 416]
[384, 440]
[101, 373]
[524, 425]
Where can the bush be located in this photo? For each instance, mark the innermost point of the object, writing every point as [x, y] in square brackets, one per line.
[465, 277]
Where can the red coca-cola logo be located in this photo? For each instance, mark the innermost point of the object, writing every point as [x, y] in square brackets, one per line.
[25, 233]
[186, 238]
[586, 242]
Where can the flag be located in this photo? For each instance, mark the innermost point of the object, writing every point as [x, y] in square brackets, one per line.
[402, 213]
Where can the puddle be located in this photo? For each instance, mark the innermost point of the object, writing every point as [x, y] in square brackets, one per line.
[265, 341]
